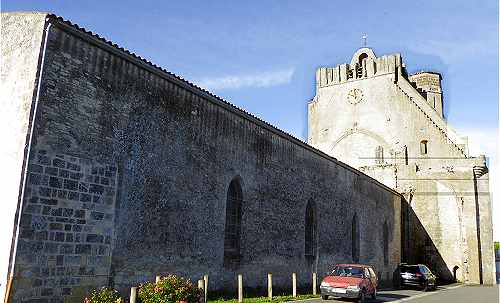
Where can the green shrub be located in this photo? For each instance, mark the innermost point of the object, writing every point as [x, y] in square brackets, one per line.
[169, 289]
[104, 295]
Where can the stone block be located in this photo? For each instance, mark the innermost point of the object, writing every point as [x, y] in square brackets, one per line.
[67, 249]
[64, 173]
[96, 189]
[76, 175]
[44, 192]
[55, 226]
[35, 168]
[85, 197]
[58, 163]
[93, 238]
[72, 195]
[41, 236]
[59, 237]
[70, 184]
[53, 171]
[95, 215]
[73, 166]
[83, 249]
[55, 182]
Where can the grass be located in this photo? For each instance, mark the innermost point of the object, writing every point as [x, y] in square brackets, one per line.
[275, 299]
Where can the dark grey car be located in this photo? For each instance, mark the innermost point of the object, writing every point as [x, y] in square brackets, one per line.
[417, 275]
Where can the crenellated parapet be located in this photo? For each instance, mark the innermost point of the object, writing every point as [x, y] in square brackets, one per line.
[364, 64]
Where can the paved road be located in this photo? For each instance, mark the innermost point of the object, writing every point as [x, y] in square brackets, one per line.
[448, 294]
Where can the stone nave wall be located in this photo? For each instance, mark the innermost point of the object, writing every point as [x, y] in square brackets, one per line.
[129, 173]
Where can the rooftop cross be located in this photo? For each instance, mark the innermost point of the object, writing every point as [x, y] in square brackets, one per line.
[364, 37]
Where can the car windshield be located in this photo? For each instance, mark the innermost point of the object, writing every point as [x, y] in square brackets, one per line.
[410, 269]
[347, 271]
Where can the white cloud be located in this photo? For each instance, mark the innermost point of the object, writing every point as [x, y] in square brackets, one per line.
[485, 141]
[262, 79]
[452, 51]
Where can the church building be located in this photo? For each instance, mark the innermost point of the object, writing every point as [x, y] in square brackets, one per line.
[372, 115]
[116, 170]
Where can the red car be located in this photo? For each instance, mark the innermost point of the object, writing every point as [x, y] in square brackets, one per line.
[355, 281]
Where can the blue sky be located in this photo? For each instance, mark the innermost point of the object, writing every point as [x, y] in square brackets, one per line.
[262, 55]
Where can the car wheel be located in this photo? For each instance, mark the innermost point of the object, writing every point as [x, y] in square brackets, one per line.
[374, 294]
[362, 297]
[425, 287]
[324, 297]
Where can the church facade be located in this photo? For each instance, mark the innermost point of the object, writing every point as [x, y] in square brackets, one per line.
[121, 171]
[372, 115]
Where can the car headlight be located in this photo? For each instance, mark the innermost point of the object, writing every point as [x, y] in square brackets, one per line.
[353, 287]
[324, 284]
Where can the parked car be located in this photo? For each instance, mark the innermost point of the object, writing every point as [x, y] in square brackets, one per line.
[417, 275]
[355, 281]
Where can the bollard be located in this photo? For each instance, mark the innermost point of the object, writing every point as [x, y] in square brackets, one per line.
[133, 294]
[314, 283]
[240, 288]
[205, 279]
[294, 284]
[201, 285]
[157, 279]
[270, 285]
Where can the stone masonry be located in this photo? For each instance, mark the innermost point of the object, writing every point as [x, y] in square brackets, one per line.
[371, 114]
[126, 172]
[67, 224]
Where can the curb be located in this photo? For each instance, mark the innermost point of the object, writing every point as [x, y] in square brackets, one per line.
[424, 294]
[443, 288]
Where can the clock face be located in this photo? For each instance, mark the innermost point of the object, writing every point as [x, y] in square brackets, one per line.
[355, 96]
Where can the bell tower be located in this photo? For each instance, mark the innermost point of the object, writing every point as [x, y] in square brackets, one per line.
[370, 114]
[348, 115]
[429, 85]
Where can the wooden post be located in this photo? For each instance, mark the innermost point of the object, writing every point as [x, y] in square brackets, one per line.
[133, 294]
[294, 285]
[8, 289]
[270, 285]
[314, 283]
[205, 279]
[240, 288]
[157, 279]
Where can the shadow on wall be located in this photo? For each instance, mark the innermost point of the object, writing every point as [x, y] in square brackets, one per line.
[418, 247]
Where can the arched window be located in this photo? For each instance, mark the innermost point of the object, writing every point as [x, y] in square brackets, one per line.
[385, 240]
[232, 229]
[310, 230]
[355, 239]
[423, 147]
[406, 155]
[379, 155]
[362, 57]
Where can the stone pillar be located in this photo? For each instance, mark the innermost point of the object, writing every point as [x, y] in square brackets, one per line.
[484, 225]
